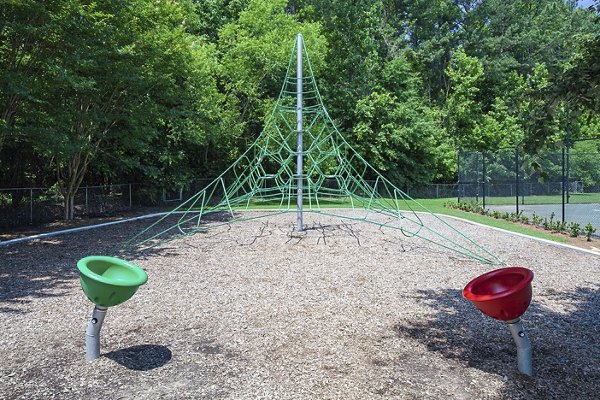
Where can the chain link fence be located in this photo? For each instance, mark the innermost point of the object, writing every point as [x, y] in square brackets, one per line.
[562, 181]
[33, 206]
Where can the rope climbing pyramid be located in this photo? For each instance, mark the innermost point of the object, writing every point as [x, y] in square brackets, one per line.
[301, 163]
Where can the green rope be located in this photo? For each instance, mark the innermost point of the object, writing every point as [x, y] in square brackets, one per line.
[334, 173]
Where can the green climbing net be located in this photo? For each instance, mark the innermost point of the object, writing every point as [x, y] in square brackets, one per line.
[333, 177]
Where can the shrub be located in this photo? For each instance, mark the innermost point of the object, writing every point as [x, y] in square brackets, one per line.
[589, 231]
[574, 229]
[546, 224]
[559, 227]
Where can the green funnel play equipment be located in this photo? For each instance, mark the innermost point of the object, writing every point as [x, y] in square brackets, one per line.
[107, 282]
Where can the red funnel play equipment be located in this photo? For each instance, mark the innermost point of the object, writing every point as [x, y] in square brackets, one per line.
[505, 294]
[502, 294]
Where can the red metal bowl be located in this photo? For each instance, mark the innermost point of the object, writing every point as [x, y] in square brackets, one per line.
[502, 294]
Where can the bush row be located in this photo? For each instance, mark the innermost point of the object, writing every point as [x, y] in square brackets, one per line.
[550, 224]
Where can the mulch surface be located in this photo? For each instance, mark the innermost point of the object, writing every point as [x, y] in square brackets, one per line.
[342, 310]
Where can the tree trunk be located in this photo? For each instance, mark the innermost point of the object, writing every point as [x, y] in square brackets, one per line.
[69, 202]
[72, 205]
[66, 203]
[71, 177]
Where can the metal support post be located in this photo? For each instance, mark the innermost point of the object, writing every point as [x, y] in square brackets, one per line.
[477, 178]
[517, 178]
[31, 206]
[299, 170]
[458, 181]
[562, 185]
[484, 179]
[92, 334]
[524, 352]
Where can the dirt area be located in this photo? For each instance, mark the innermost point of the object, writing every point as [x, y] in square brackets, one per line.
[343, 310]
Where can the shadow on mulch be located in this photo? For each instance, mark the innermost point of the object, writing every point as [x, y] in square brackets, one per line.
[47, 267]
[142, 357]
[566, 354]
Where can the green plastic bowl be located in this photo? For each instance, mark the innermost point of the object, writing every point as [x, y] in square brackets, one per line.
[109, 281]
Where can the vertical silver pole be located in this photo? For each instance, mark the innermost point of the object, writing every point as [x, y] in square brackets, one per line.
[524, 351]
[299, 171]
[92, 334]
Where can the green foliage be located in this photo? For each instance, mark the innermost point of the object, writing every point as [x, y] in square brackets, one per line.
[465, 75]
[579, 81]
[255, 52]
[168, 92]
[396, 137]
[574, 229]
[585, 162]
[589, 231]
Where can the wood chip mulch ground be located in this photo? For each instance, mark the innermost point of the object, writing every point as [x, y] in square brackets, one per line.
[255, 310]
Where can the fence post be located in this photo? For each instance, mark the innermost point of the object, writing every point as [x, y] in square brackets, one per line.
[31, 206]
[86, 198]
[568, 169]
[458, 181]
[562, 185]
[484, 179]
[517, 178]
[568, 151]
[477, 178]
[130, 203]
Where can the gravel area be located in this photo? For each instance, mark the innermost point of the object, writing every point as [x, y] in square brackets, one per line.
[343, 310]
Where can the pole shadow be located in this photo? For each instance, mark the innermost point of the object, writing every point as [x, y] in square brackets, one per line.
[143, 357]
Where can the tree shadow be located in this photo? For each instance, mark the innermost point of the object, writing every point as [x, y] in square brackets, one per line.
[143, 357]
[34, 270]
[566, 354]
[47, 267]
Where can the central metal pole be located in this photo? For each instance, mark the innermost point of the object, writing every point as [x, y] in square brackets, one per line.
[300, 226]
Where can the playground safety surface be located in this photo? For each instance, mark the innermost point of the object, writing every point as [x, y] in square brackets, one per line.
[343, 310]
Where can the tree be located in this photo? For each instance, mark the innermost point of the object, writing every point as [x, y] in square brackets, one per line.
[396, 131]
[255, 53]
[113, 67]
[24, 27]
[465, 74]
[355, 56]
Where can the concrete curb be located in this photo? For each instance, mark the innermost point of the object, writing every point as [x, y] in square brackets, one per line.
[78, 229]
